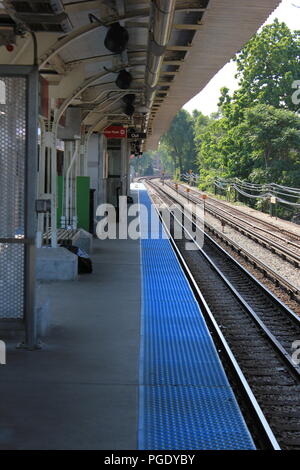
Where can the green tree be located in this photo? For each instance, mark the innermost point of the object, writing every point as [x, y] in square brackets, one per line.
[167, 162]
[141, 164]
[256, 135]
[179, 141]
[272, 137]
[264, 147]
[267, 67]
[149, 170]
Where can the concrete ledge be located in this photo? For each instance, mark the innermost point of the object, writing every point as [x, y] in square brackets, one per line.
[56, 264]
[84, 240]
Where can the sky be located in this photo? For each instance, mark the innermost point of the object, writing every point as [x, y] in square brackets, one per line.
[207, 100]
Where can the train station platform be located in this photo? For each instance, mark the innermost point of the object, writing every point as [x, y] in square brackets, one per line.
[80, 391]
[129, 362]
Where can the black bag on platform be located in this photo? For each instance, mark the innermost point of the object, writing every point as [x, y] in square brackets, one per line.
[84, 261]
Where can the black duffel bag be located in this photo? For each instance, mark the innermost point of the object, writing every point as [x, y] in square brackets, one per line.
[84, 261]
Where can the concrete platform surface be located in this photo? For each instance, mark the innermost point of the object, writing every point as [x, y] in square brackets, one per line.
[80, 391]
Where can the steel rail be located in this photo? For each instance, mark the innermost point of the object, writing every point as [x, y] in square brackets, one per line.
[268, 438]
[289, 313]
[231, 210]
[287, 254]
[270, 371]
[279, 281]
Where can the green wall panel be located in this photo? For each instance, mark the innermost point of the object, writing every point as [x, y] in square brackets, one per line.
[83, 202]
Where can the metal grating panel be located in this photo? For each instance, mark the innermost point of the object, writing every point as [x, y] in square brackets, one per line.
[12, 194]
[11, 281]
[193, 418]
[186, 401]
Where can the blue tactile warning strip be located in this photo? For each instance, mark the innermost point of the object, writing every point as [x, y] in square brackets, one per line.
[186, 402]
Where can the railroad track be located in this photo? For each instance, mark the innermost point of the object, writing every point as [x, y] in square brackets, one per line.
[258, 329]
[266, 234]
[269, 227]
[277, 280]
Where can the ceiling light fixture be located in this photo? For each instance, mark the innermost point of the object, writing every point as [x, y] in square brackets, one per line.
[129, 110]
[116, 38]
[129, 99]
[124, 79]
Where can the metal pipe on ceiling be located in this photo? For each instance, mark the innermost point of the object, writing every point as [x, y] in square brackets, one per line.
[160, 27]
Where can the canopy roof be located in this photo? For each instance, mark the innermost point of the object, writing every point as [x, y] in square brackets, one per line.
[174, 49]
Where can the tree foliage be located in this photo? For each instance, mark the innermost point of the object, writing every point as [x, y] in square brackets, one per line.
[267, 67]
[257, 133]
[179, 141]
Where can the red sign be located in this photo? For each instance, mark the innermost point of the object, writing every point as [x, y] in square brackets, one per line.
[44, 98]
[115, 132]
